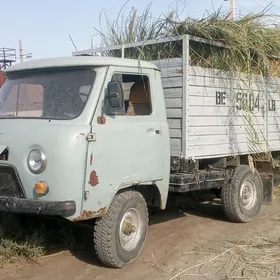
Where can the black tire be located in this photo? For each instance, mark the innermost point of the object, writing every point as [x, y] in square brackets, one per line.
[243, 179]
[107, 235]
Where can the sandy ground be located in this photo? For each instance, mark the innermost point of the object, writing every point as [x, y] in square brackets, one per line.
[177, 241]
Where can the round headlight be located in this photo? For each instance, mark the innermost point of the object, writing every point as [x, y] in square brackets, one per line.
[36, 161]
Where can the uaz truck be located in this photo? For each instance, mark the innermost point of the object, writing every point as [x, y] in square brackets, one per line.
[95, 137]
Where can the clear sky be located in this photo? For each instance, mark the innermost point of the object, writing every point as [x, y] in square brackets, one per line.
[44, 26]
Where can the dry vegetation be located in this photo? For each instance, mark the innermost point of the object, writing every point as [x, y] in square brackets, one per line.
[276, 193]
[19, 247]
[35, 238]
[255, 258]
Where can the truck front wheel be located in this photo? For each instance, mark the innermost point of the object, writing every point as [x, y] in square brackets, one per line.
[120, 235]
[242, 198]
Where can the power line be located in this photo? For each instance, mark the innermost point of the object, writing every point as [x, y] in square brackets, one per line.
[272, 3]
[262, 5]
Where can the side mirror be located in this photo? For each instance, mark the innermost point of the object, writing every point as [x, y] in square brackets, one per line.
[115, 96]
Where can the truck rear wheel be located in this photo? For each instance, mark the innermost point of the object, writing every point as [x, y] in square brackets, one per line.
[242, 198]
[120, 236]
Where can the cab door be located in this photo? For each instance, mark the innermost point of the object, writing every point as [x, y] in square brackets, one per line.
[126, 149]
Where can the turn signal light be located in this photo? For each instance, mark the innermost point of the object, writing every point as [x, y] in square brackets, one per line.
[41, 188]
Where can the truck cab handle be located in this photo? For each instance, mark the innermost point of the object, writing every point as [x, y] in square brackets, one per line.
[153, 131]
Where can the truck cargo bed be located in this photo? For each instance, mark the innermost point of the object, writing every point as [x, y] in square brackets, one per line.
[205, 106]
[205, 115]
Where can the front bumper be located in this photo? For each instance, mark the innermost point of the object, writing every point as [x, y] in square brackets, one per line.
[36, 206]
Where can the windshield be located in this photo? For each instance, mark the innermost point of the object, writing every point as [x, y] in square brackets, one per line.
[55, 94]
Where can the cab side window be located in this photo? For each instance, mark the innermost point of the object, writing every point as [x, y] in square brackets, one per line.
[137, 95]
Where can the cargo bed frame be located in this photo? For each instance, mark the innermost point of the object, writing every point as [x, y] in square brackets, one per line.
[200, 160]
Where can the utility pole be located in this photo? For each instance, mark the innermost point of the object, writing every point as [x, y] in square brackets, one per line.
[20, 51]
[232, 9]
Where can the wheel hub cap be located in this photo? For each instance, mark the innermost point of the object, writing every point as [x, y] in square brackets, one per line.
[130, 229]
[248, 194]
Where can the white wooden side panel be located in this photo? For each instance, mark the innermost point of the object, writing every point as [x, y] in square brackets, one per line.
[218, 150]
[173, 102]
[174, 123]
[274, 116]
[206, 121]
[215, 82]
[219, 74]
[219, 130]
[172, 80]
[170, 72]
[175, 132]
[172, 92]
[167, 63]
[274, 123]
[176, 146]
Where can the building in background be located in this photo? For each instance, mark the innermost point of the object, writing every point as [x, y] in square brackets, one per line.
[7, 57]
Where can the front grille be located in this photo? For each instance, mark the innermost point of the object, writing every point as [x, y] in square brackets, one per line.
[10, 185]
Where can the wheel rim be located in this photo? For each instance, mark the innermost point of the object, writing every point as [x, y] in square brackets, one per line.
[130, 229]
[248, 194]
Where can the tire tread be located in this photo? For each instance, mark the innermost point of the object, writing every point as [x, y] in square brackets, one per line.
[103, 230]
[230, 195]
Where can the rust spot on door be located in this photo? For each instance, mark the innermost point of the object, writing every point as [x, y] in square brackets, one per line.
[93, 179]
[101, 120]
[91, 159]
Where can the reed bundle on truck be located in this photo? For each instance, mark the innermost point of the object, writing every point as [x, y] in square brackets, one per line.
[252, 41]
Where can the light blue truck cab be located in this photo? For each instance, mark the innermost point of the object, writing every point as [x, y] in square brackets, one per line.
[83, 138]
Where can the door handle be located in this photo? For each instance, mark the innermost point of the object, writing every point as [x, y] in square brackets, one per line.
[154, 131]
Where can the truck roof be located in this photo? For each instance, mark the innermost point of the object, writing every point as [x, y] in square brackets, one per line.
[73, 61]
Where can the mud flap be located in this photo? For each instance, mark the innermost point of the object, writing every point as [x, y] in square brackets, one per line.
[268, 184]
